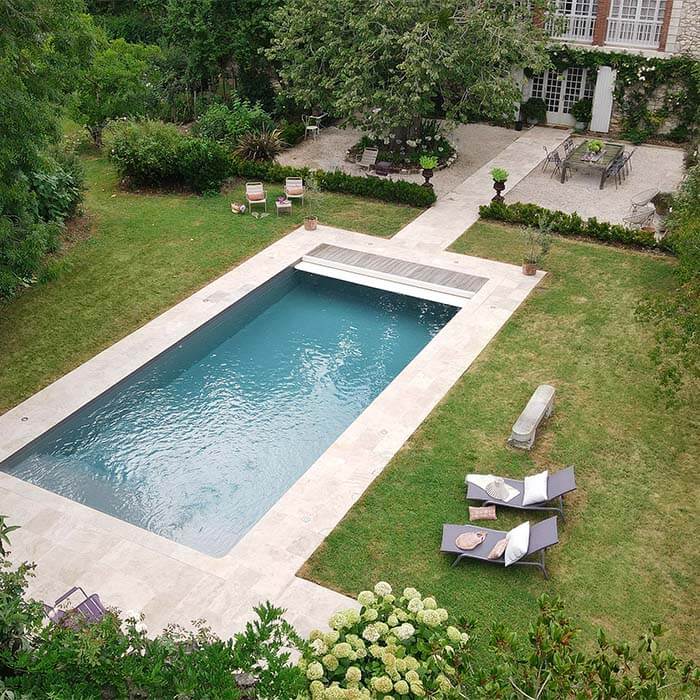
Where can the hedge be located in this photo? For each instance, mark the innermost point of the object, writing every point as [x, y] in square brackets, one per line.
[572, 224]
[398, 191]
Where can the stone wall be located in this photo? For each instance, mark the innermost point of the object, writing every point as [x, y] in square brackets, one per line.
[688, 40]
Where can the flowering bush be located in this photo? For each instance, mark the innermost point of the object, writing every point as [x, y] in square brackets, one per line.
[393, 648]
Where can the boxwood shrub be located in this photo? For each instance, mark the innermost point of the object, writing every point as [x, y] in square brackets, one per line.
[572, 224]
[385, 190]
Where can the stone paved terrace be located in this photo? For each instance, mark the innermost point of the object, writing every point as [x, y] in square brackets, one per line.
[652, 166]
[476, 144]
[137, 570]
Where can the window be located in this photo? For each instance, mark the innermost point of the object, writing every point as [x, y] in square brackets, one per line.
[636, 22]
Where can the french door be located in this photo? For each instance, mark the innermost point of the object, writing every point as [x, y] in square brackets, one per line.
[561, 90]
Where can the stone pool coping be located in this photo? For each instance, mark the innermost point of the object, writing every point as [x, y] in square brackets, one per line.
[134, 569]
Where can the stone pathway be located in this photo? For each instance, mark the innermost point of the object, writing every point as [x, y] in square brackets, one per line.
[455, 212]
[134, 569]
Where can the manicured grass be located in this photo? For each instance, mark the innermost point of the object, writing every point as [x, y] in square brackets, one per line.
[627, 554]
[144, 253]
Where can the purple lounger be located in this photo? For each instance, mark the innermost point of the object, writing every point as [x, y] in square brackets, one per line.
[542, 535]
[90, 608]
[558, 485]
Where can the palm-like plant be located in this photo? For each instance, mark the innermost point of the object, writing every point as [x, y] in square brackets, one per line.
[264, 144]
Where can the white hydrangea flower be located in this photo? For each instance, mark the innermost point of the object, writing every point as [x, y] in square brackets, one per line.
[370, 614]
[429, 603]
[342, 650]
[431, 618]
[415, 605]
[319, 647]
[353, 674]
[366, 598]
[453, 635]
[409, 593]
[382, 588]
[314, 671]
[371, 633]
[405, 631]
[392, 620]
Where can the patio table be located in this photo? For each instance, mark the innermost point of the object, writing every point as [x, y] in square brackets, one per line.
[577, 160]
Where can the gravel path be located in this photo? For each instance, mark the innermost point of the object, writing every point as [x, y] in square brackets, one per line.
[476, 144]
[652, 167]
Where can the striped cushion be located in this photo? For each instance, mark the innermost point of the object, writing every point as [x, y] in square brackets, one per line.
[482, 513]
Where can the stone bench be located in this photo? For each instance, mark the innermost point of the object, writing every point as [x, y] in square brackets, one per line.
[539, 407]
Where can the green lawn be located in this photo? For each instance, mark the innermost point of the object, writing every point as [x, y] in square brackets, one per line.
[143, 253]
[627, 554]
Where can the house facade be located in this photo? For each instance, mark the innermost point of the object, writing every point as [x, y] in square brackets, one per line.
[658, 28]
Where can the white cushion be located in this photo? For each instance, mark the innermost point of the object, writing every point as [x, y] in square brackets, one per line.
[518, 542]
[535, 490]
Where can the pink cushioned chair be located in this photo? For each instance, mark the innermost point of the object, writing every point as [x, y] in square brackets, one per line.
[255, 194]
[294, 188]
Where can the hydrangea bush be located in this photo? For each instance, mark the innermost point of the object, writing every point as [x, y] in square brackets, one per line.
[395, 647]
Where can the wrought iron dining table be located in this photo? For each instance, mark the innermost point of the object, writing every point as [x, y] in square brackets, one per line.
[579, 159]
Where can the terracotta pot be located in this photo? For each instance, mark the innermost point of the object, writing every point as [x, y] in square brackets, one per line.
[529, 269]
[427, 174]
[310, 223]
[499, 187]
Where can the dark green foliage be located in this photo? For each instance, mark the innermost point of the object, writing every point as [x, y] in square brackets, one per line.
[386, 190]
[639, 78]
[552, 664]
[58, 184]
[152, 153]
[264, 145]
[571, 224]
[534, 109]
[227, 123]
[581, 111]
[676, 317]
[43, 49]
[291, 132]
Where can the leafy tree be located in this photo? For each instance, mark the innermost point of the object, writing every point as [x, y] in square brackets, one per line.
[221, 41]
[383, 65]
[121, 81]
[44, 46]
[676, 317]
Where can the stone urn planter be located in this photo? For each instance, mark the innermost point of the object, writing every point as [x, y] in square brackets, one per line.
[427, 173]
[428, 163]
[310, 223]
[529, 268]
[499, 175]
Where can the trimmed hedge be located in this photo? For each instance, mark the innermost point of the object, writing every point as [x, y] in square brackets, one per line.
[572, 224]
[398, 191]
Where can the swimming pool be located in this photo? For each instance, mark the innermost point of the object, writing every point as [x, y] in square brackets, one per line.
[198, 444]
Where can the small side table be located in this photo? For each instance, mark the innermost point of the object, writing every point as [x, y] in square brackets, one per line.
[283, 207]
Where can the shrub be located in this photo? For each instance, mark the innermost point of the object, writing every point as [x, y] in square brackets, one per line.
[227, 123]
[571, 224]
[58, 185]
[398, 191]
[291, 133]
[581, 111]
[264, 145]
[534, 109]
[394, 646]
[156, 154]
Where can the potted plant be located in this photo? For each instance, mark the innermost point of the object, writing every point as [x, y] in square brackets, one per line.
[594, 146]
[428, 163]
[534, 110]
[499, 175]
[313, 198]
[581, 111]
[663, 206]
[538, 241]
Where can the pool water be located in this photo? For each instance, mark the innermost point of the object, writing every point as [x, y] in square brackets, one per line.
[198, 444]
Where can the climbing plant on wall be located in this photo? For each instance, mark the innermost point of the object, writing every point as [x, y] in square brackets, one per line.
[648, 90]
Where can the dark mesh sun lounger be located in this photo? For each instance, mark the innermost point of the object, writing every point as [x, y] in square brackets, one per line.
[542, 535]
[558, 485]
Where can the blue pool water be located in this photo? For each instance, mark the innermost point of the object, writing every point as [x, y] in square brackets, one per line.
[197, 445]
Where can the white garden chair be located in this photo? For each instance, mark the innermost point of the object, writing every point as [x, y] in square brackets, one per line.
[255, 194]
[294, 188]
[369, 158]
[311, 126]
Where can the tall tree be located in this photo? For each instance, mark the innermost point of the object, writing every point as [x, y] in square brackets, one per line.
[383, 64]
[120, 82]
[44, 45]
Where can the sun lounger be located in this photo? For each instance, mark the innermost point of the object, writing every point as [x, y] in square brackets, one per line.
[70, 606]
[542, 535]
[558, 485]
[369, 158]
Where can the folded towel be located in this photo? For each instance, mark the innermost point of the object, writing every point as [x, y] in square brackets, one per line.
[483, 480]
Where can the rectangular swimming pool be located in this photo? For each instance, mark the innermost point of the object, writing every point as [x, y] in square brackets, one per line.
[198, 444]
